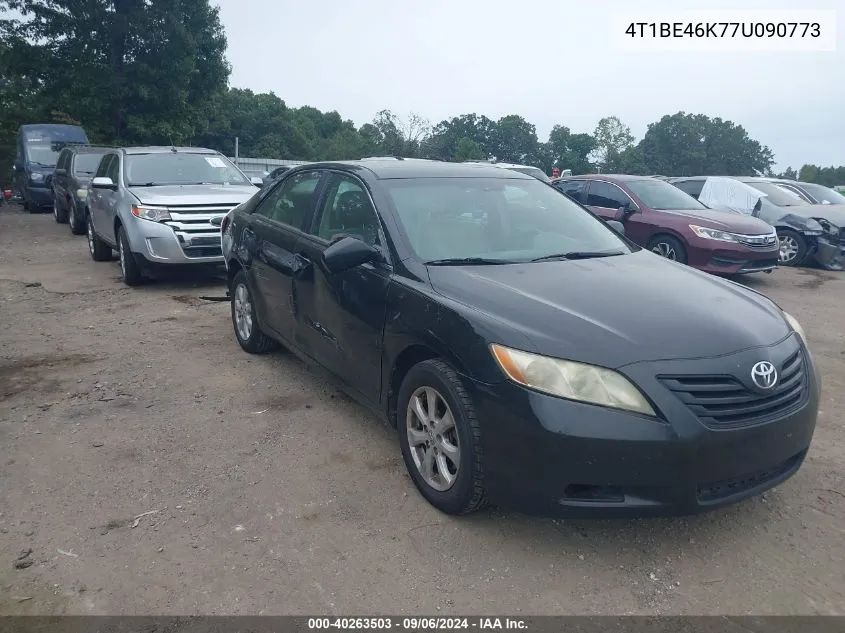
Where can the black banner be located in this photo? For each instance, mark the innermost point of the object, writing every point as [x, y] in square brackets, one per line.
[301, 624]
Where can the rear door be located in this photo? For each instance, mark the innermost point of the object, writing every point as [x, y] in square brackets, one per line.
[271, 233]
[340, 316]
[60, 179]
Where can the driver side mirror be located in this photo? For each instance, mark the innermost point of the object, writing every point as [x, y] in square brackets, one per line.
[61, 172]
[103, 182]
[255, 180]
[624, 211]
[18, 165]
[616, 226]
[347, 253]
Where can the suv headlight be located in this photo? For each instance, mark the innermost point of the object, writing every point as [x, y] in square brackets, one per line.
[82, 194]
[795, 326]
[713, 234]
[153, 214]
[36, 177]
[568, 379]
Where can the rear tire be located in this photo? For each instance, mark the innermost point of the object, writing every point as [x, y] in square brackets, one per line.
[669, 247]
[793, 248]
[436, 422]
[77, 225]
[130, 272]
[247, 331]
[100, 251]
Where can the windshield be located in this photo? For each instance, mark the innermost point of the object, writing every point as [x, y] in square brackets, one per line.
[532, 171]
[660, 195]
[503, 219]
[778, 196]
[181, 168]
[823, 194]
[44, 154]
[86, 164]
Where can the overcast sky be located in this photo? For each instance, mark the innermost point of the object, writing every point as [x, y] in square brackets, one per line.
[551, 62]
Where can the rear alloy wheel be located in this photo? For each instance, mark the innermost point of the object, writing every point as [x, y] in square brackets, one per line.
[793, 248]
[100, 251]
[59, 213]
[129, 269]
[440, 438]
[668, 247]
[247, 331]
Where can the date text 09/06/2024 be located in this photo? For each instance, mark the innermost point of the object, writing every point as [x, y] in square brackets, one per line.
[724, 29]
[417, 624]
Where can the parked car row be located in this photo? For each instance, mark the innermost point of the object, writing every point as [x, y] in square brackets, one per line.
[527, 350]
[722, 225]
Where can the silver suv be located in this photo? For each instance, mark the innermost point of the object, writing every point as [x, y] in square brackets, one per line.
[155, 206]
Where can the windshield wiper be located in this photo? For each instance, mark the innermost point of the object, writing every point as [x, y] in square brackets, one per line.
[469, 261]
[578, 255]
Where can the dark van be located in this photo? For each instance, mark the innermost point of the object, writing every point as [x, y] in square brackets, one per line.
[38, 150]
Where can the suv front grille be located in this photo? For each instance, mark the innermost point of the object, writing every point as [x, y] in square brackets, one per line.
[723, 402]
[192, 225]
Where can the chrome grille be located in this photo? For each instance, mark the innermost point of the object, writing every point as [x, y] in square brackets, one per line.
[192, 225]
[759, 241]
[723, 402]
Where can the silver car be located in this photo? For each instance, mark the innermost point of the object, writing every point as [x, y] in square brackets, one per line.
[155, 207]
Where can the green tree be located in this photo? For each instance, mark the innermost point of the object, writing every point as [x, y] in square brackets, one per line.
[569, 151]
[129, 70]
[612, 138]
[468, 150]
[514, 140]
[445, 137]
[789, 174]
[684, 144]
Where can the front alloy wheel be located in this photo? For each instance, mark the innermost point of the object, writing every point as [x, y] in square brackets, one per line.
[433, 438]
[793, 248]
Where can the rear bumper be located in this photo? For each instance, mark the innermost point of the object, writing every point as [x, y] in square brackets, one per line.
[40, 196]
[546, 455]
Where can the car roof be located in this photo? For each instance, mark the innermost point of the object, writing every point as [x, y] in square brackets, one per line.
[619, 177]
[167, 149]
[392, 168]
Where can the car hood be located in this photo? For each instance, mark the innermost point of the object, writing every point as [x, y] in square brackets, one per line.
[194, 194]
[613, 311]
[724, 221]
[834, 213]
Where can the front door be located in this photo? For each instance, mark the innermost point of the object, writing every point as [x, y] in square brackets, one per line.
[274, 227]
[604, 199]
[99, 200]
[340, 316]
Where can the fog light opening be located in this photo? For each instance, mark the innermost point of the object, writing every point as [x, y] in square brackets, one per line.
[598, 494]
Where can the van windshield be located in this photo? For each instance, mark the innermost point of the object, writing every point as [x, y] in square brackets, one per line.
[44, 154]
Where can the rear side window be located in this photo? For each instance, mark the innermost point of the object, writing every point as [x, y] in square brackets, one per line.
[606, 196]
[292, 201]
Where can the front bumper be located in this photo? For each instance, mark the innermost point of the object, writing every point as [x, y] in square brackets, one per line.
[546, 455]
[830, 253]
[738, 261]
[40, 196]
[161, 243]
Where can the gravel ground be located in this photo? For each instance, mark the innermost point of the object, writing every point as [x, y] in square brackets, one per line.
[151, 467]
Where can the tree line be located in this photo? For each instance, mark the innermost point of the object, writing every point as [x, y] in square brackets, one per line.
[137, 72]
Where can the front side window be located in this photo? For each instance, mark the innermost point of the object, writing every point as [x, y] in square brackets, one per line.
[347, 210]
[458, 218]
[292, 201]
[102, 169]
[661, 196]
[607, 196]
[181, 168]
[825, 195]
[114, 169]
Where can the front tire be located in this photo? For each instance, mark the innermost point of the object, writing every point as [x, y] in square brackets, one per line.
[793, 248]
[247, 331]
[130, 272]
[59, 213]
[669, 247]
[77, 226]
[440, 438]
[100, 251]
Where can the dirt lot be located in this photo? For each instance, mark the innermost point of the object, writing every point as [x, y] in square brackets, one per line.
[268, 491]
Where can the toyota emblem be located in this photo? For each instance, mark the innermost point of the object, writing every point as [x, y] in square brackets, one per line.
[764, 375]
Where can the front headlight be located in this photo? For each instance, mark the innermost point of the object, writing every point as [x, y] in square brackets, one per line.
[828, 227]
[81, 194]
[713, 234]
[153, 214]
[568, 379]
[796, 327]
[36, 177]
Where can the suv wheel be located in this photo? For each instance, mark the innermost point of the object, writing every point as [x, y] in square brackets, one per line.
[100, 251]
[247, 331]
[793, 248]
[58, 212]
[440, 438]
[129, 269]
[77, 227]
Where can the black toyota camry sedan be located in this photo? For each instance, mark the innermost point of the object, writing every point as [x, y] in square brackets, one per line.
[528, 354]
